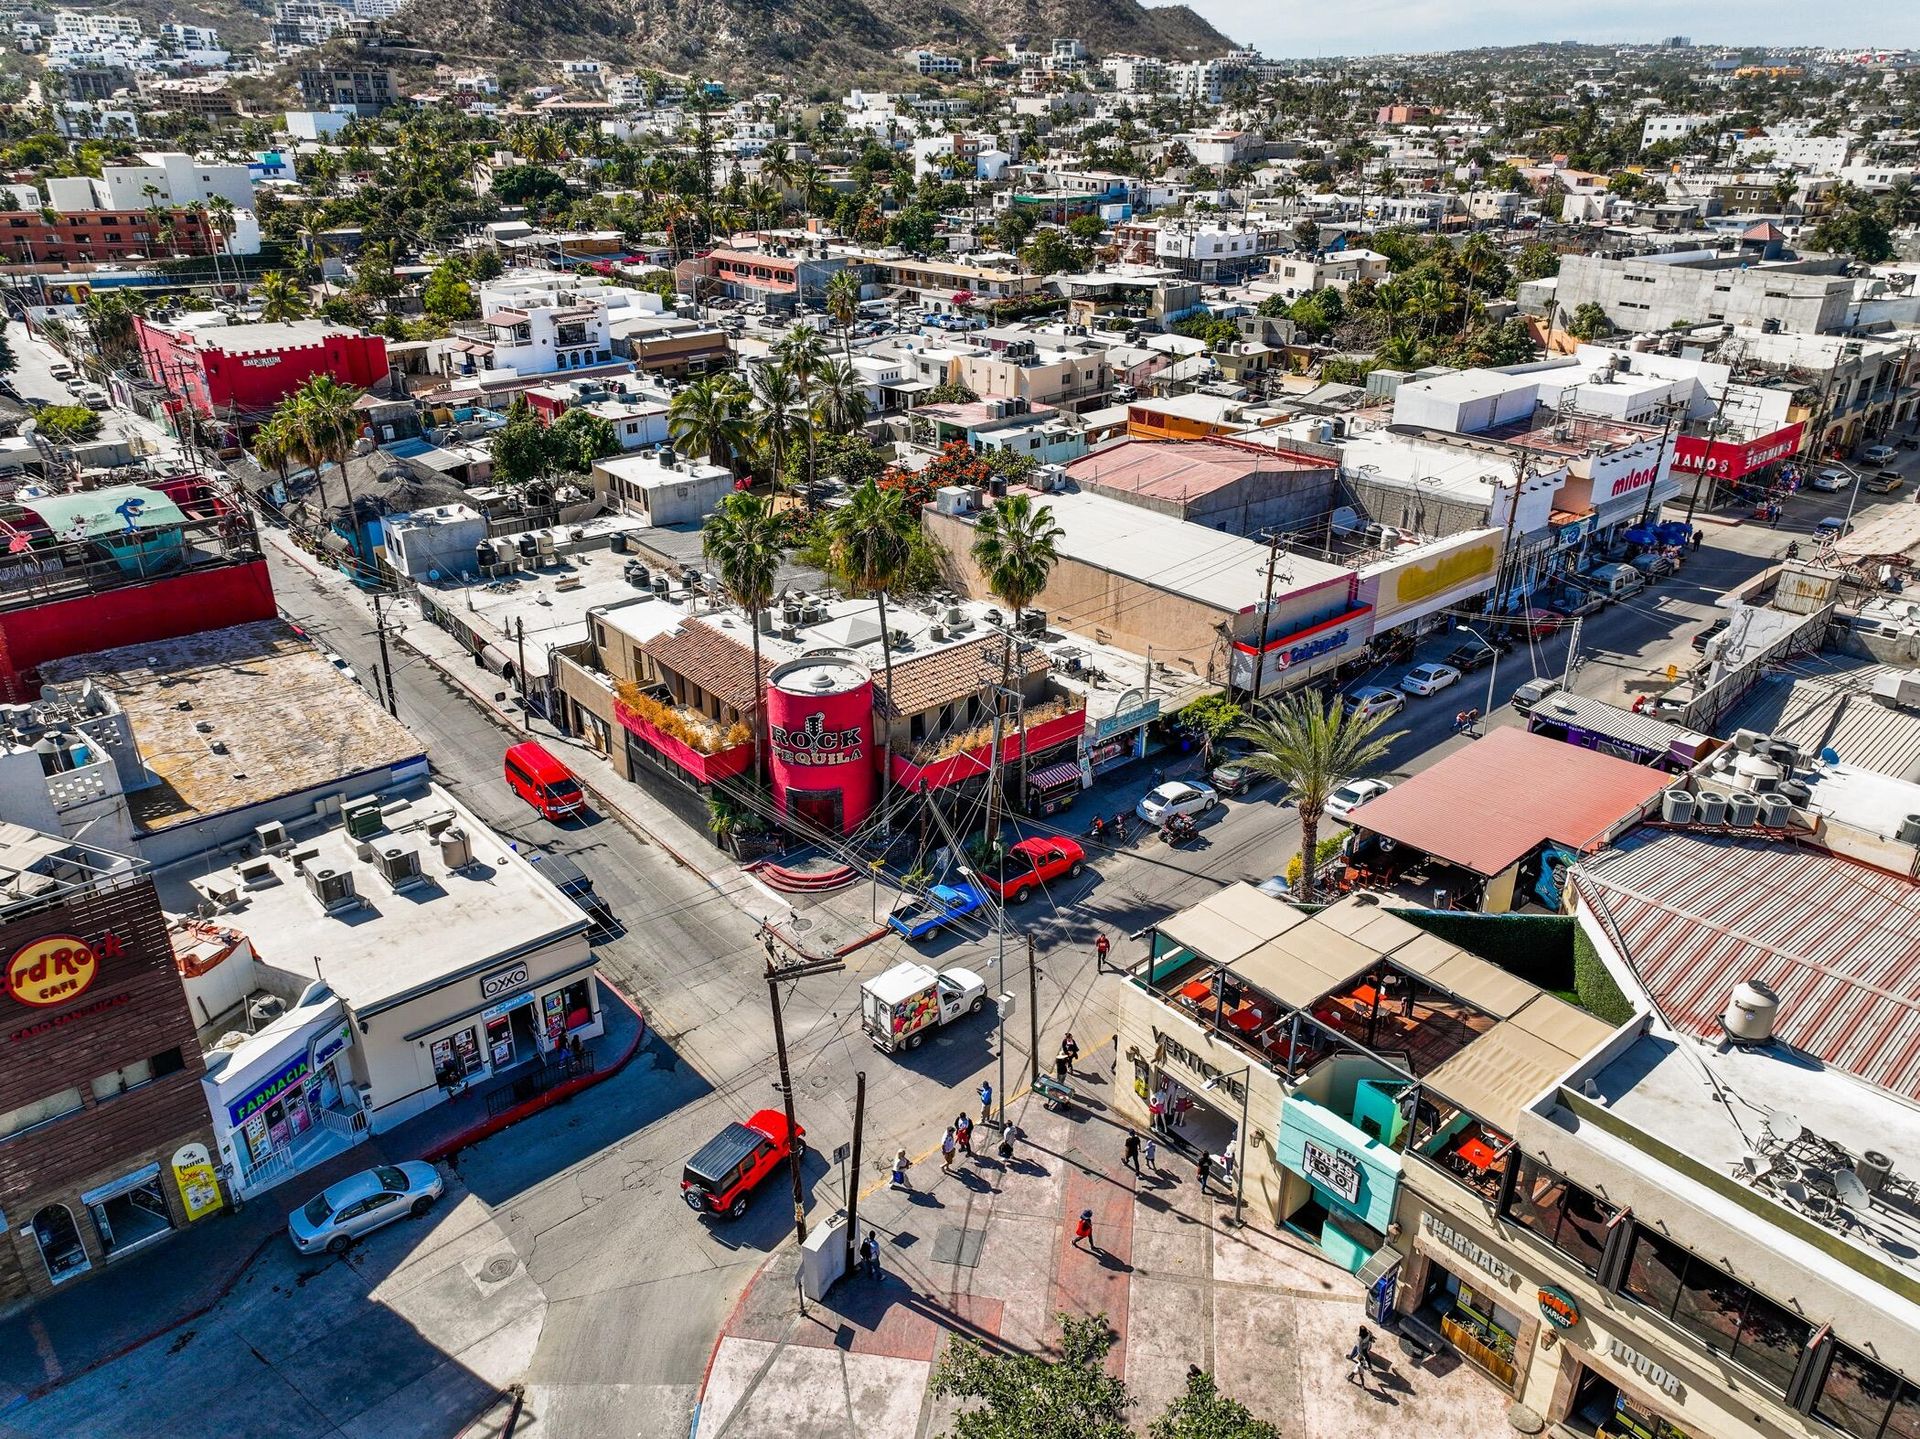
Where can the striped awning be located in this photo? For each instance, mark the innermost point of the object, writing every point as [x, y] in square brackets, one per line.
[1054, 775]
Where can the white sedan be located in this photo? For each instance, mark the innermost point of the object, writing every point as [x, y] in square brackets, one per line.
[1351, 795]
[1175, 797]
[1428, 679]
[362, 1203]
[1371, 700]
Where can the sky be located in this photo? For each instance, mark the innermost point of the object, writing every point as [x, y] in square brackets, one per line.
[1370, 27]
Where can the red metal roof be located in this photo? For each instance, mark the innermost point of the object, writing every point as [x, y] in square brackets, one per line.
[1695, 914]
[1486, 806]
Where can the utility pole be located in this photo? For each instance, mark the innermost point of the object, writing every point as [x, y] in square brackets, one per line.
[1266, 610]
[853, 1186]
[520, 638]
[386, 661]
[1573, 654]
[1033, 1011]
[1659, 458]
[775, 973]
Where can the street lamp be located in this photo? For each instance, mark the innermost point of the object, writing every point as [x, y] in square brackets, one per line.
[1493, 671]
[1245, 1077]
[1853, 494]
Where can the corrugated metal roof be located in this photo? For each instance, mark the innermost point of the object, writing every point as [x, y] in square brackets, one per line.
[1839, 943]
[1830, 703]
[1486, 806]
[1640, 730]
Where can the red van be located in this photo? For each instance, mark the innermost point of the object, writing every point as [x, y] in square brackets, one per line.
[543, 782]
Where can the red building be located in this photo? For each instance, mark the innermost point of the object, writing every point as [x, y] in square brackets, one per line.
[30, 237]
[240, 372]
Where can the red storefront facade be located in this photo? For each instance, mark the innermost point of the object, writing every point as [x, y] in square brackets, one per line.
[1727, 461]
[240, 372]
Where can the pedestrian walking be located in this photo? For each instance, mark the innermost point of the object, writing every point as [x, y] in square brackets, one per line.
[1226, 1170]
[1083, 1229]
[1060, 1066]
[1070, 1047]
[1132, 1151]
[1360, 1357]
[900, 1165]
[870, 1255]
[963, 1134]
[1203, 1170]
[1694, 540]
[1007, 1137]
[986, 1100]
[1101, 944]
[949, 1145]
[1153, 1154]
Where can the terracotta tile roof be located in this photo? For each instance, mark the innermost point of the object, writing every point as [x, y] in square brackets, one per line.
[953, 673]
[717, 664]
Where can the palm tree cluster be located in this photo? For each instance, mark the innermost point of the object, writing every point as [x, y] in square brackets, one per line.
[314, 426]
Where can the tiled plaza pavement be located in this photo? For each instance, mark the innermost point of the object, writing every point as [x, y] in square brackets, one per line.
[988, 1252]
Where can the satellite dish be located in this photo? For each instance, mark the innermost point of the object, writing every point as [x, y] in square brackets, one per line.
[1829, 755]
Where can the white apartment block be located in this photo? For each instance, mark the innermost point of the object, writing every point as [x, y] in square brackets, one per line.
[174, 180]
[1198, 80]
[540, 322]
[1656, 128]
[1820, 154]
[1141, 74]
[931, 62]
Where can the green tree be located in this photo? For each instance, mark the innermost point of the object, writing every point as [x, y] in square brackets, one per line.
[281, 299]
[447, 295]
[1025, 1396]
[778, 412]
[110, 324]
[913, 228]
[534, 186]
[1856, 231]
[1201, 1411]
[1589, 322]
[1312, 744]
[325, 429]
[1306, 234]
[851, 458]
[7, 359]
[487, 265]
[520, 450]
[869, 548]
[1536, 261]
[744, 540]
[578, 438]
[65, 423]
[950, 395]
[1051, 251]
[839, 401]
[709, 417]
[1086, 227]
[1213, 717]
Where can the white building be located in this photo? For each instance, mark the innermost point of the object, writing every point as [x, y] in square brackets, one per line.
[932, 62]
[1140, 74]
[1656, 128]
[170, 179]
[661, 487]
[419, 952]
[540, 322]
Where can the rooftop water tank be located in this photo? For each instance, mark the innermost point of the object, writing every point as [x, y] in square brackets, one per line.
[1750, 1013]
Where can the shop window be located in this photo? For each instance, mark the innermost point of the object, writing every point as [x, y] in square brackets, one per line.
[58, 1238]
[1861, 1398]
[1722, 1313]
[119, 1081]
[28, 1116]
[571, 1008]
[456, 1057]
[1561, 1213]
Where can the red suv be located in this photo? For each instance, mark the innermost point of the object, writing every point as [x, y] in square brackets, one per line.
[722, 1176]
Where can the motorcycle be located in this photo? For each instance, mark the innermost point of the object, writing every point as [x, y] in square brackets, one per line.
[1179, 829]
[1793, 549]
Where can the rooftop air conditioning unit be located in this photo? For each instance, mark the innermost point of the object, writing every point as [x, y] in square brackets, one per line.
[362, 817]
[399, 865]
[270, 837]
[333, 888]
[257, 873]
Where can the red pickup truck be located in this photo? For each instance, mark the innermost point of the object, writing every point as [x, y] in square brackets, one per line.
[1032, 863]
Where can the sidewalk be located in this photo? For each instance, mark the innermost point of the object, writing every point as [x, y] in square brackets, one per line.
[987, 1253]
[149, 1294]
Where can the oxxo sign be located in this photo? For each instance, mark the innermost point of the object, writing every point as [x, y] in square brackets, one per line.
[56, 968]
[814, 744]
[503, 981]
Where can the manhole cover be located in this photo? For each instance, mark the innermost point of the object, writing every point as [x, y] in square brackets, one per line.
[498, 1269]
[801, 923]
[958, 1246]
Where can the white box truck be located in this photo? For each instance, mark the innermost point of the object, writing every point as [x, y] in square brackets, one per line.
[900, 1008]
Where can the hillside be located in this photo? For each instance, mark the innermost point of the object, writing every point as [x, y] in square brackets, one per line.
[769, 41]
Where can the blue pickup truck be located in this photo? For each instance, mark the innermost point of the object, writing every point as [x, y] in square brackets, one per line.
[939, 907]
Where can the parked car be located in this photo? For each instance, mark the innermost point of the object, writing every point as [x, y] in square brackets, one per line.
[1882, 482]
[1703, 638]
[1533, 692]
[362, 1203]
[1233, 778]
[1351, 795]
[1469, 658]
[1176, 796]
[1428, 679]
[1878, 454]
[1833, 526]
[543, 782]
[1033, 863]
[1829, 480]
[60, 370]
[1373, 700]
[1653, 564]
[724, 1172]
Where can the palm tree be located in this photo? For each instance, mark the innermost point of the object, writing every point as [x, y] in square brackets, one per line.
[280, 298]
[779, 410]
[1014, 546]
[801, 353]
[709, 417]
[325, 428]
[276, 446]
[869, 547]
[1312, 745]
[843, 304]
[811, 181]
[744, 540]
[220, 216]
[839, 398]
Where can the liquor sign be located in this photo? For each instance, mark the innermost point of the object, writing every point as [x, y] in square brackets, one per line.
[812, 742]
[1658, 1375]
[1331, 1169]
[55, 968]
